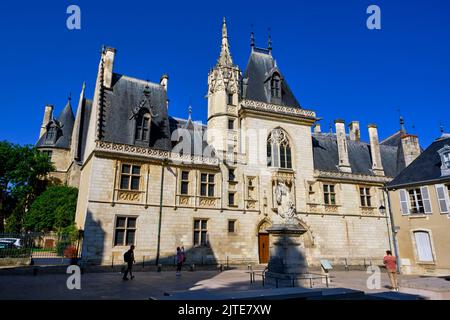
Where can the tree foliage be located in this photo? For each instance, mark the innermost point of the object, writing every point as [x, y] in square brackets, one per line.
[22, 172]
[53, 210]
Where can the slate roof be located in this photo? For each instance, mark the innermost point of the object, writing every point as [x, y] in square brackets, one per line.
[426, 167]
[122, 102]
[326, 157]
[260, 68]
[65, 122]
[195, 131]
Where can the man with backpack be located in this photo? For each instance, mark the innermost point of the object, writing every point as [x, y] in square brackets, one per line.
[128, 257]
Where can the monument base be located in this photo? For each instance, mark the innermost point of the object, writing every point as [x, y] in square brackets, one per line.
[287, 258]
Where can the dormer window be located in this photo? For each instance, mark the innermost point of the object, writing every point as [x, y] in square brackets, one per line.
[52, 133]
[143, 127]
[275, 85]
[444, 153]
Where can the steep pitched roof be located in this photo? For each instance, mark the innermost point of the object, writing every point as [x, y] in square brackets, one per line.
[426, 167]
[122, 101]
[64, 123]
[260, 67]
[179, 128]
[326, 157]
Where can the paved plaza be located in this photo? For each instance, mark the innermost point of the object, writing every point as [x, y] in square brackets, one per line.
[151, 284]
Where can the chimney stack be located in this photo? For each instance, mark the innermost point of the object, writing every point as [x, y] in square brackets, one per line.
[164, 81]
[344, 164]
[411, 148]
[48, 114]
[355, 133]
[317, 128]
[108, 64]
[377, 166]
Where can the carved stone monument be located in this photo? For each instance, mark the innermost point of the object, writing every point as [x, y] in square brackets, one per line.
[287, 258]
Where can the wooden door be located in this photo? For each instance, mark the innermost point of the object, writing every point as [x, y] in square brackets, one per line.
[263, 240]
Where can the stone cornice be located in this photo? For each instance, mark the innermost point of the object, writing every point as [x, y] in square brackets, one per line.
[292, 111]
[352, 177]
[153, 154]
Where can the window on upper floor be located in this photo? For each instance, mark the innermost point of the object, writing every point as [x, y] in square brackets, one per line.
[329, 194]
[446, 159]
[275, 86]
[207, 185]
[231, 175]
[184, 187]
[230, 124]
[444, 153]
[230, 99]
[279, 150]
[365, 197]
[142, 132]
[130, 176]
[52, 134]
[415, 201]
[48, 153]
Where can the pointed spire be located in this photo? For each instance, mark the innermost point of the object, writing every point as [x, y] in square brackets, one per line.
[252, 40]
[190, 112]
[269, 44]
[225, 56]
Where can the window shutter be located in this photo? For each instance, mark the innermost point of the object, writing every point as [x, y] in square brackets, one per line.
[423, 245]
[426, 199]
[404, 201]
[442, 196]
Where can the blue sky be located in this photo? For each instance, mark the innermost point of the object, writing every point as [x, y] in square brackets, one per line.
[332, 62]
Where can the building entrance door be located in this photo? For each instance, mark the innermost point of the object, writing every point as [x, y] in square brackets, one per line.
[263, 240]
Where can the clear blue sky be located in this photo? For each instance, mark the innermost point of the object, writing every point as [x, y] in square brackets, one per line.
[333, 63]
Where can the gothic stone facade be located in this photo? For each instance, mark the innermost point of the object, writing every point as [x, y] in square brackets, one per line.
[216, 195]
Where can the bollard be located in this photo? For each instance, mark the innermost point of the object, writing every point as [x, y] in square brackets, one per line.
[159, 268]
[143, 262]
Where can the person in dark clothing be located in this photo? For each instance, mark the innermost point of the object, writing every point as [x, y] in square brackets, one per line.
[180, 260]
[129, 259]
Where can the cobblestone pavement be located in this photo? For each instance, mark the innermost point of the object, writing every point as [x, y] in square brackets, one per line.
[148, 285]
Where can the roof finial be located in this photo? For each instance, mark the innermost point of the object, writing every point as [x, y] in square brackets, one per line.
[252, 40]
[441, 127]
[402, 124]
[269, 46]
[70, 97]
[190, 111]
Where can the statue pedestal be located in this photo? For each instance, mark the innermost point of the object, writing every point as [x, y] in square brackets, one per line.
[287, 257]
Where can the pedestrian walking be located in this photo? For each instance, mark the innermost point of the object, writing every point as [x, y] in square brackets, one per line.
[180, 260]
[391, 266]
[128, 257]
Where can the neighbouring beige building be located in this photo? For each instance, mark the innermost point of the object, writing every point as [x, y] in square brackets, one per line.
[420, 203]
[159, 182]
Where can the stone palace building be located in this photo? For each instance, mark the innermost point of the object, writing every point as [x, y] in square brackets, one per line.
[159, 182]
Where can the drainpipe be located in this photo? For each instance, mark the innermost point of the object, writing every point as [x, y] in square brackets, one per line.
[163, 166]
[394, 233]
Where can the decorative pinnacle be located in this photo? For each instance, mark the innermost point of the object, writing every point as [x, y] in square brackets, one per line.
[252, 39]
[269, 45]
[190, 111]
[402, 124]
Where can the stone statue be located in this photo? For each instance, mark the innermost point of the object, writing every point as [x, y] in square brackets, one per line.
[286, 206]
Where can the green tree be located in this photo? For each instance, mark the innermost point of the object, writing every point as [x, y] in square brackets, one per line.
[53, 210]
[22, 172]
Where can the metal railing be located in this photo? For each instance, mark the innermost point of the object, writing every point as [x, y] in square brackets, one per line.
[40, 248]
[293, 279]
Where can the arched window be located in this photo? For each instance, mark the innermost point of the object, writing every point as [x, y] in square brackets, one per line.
[278, 150]
[275, 86]
[143, 127]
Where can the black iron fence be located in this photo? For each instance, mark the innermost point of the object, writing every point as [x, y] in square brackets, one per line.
[39, 248]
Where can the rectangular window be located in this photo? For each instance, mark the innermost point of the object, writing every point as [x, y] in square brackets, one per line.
[230, 124]
[419, 200]
[423, 246]
[230, 99]
[48, 153]
[231, 226]
[200, 232]
[207, 185]
[184, 188]
[231, 176]
[125, 231]
[364, 195]
[231, 199]
[130, 176]
[329, 194]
